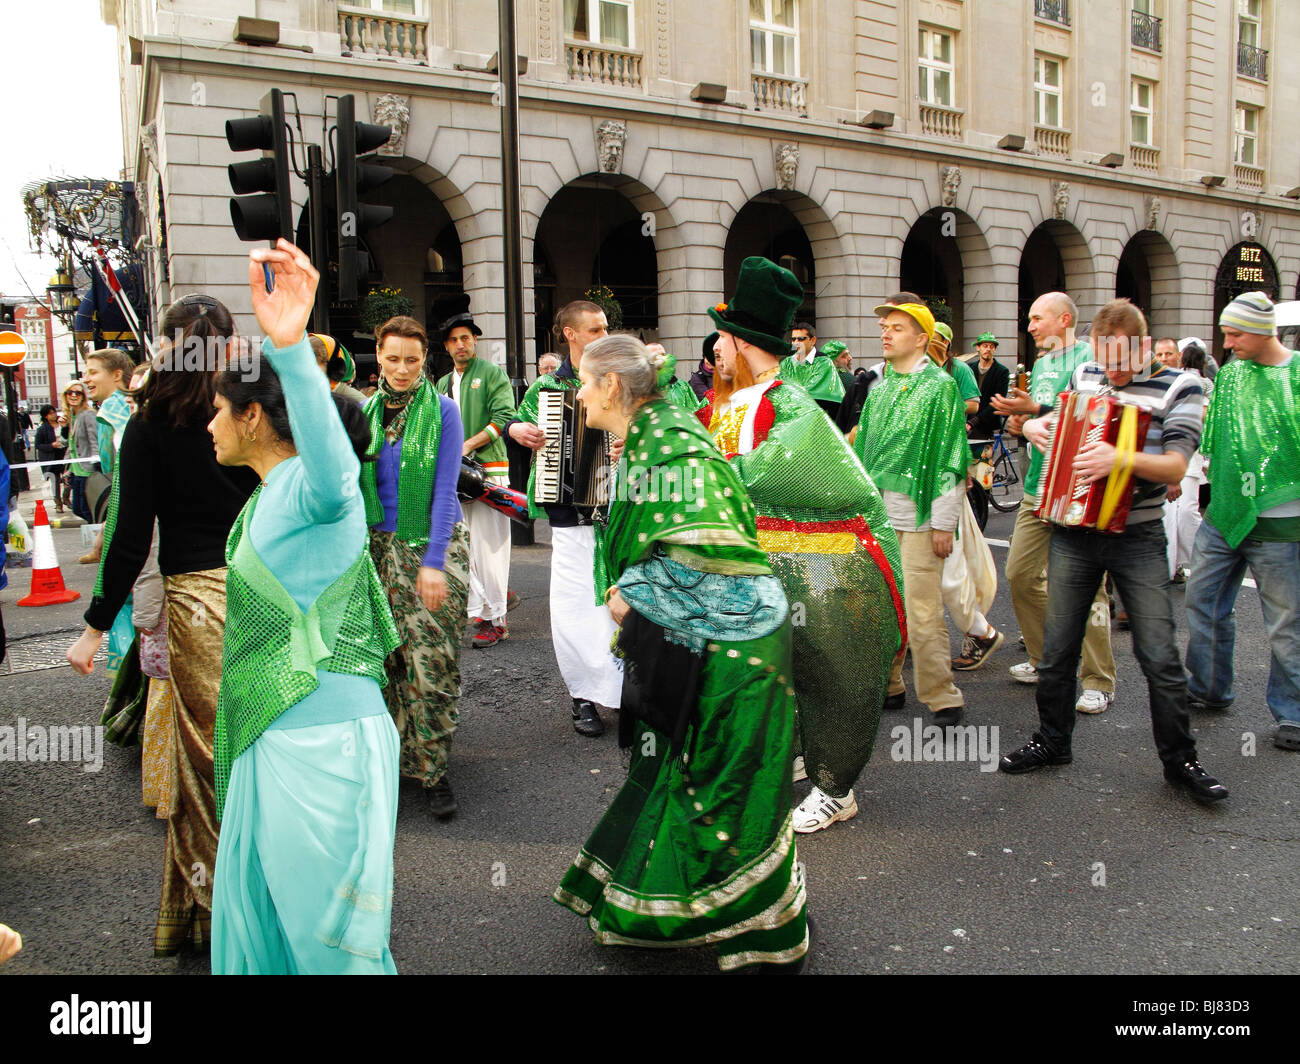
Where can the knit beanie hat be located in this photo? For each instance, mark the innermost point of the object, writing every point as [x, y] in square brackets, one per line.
[1251, 312]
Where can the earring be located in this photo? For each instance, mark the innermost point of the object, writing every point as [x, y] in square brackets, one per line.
[251, 437]
[605, 405]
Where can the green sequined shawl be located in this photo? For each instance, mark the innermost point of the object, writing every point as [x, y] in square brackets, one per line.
[1252, 442]
[818, 378]
[419, 464]
[674, 489]
[272, 651]
[912, 436]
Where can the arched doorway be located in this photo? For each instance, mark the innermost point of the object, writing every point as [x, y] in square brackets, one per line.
[767, 226]
[1147, 276]
[1247, 267]
[1055, 259]
[591, 235]
[417, 252]
[941, 247]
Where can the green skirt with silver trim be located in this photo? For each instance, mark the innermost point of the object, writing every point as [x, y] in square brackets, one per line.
[698, 849]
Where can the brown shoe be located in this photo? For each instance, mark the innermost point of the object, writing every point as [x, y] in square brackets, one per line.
[976, 651]
[89, 558]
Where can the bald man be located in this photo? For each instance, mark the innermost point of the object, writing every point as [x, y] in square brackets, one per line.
[1052, 319]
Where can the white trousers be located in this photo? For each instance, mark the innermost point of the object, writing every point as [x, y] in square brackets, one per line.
[581, 630]
[1182, 519]
[489, 560]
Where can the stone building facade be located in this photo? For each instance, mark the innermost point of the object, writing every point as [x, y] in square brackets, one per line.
[978, 151]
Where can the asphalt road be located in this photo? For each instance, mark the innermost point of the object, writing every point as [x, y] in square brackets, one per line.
[947, 869]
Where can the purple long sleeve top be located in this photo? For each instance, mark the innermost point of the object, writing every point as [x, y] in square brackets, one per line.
[444, 509]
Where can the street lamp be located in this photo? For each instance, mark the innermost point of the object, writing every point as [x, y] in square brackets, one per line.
[61, 294]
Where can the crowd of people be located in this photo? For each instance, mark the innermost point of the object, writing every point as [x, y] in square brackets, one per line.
[779, 533]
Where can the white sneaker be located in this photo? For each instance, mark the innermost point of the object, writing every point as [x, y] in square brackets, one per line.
[819, 810]
[1093, 702]
[800, 773]
[1024, 672]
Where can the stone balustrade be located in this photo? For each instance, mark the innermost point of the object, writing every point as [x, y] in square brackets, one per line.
[940, 121]
[1052, 141]
[385, 36]
[774, 93]
[603, 65]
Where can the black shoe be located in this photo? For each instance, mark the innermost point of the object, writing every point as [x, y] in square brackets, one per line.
[893, 702]
[945, 718]
[1190, 774]
[442, 803]
[1202, 705]
[586, 719]
[1034, 755]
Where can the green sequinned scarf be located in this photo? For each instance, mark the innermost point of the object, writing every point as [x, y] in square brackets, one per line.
[418, 425]
[272, 650]
[673, 488]
[1252, 442]
[912, 436]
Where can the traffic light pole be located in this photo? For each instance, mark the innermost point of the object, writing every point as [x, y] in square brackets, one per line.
[319, 245]
[512, 258]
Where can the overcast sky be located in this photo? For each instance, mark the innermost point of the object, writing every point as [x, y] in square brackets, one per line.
[61, 105]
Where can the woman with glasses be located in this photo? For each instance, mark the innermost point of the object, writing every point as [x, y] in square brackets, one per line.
[166, 472]
[84, 439]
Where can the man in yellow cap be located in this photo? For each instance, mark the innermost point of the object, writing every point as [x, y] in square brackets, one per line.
[912, 440]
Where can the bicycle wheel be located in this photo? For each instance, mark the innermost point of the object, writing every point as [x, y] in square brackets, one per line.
[979, 504]
[1005, 477]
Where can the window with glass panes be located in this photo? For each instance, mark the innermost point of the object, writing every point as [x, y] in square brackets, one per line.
[774, 37]
[1142, 112]
[935, 67]
[1246, 151]
[599, 21]
[412, 8]
[1143, 7]
[1047, 91]
[1248, 19]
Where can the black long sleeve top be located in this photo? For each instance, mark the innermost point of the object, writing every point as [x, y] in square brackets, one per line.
[170, 475]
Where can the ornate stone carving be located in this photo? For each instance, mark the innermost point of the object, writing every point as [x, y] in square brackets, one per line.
[662, 60]
[149, 144]
[951, 183]
[1060, 199]
[394, 111]
[1153, 212]
[611, 136]
[787, 166]
[545, 33]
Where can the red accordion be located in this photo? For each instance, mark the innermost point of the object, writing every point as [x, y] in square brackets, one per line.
[1066, 497]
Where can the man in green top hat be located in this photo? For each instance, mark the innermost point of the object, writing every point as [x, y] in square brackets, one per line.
[993, 379]
[912, 440]
[482, 391]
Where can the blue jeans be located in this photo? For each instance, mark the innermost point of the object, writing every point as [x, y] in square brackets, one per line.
[1137, 563]
[1216, 575]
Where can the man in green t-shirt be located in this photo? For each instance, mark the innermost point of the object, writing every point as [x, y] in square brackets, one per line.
[955, 368]
[1252, 444]
[1052, 319]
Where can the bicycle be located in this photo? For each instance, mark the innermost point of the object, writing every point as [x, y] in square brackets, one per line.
[1005, 473]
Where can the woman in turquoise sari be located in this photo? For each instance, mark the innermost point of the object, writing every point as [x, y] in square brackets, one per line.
[697, 847]
[306, 752]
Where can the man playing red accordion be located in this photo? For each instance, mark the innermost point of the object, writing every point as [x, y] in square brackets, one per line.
[1135, 558]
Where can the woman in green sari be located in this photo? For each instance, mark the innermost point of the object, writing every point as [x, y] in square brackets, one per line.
[697, 847]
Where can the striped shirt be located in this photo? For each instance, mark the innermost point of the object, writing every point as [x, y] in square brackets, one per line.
[1176, 402]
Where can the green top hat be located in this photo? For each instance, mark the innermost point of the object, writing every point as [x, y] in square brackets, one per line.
[761, 311]
[986, 338]
[833, 349]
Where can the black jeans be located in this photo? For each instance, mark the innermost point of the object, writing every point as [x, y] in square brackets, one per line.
[1138, 563]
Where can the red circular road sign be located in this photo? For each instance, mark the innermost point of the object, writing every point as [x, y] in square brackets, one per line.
[13, 349]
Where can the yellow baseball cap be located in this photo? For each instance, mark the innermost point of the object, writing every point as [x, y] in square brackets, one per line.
[919, 314]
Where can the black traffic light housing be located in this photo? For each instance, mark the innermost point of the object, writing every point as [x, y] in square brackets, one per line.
[352, 178]
[263, 209]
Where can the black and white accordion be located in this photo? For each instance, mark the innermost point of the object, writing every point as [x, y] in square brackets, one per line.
[573, 468]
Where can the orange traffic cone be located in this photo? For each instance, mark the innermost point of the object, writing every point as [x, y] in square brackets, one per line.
[47, 580]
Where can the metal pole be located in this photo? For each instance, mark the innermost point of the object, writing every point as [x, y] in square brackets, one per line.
[512, 257]
[319, 248]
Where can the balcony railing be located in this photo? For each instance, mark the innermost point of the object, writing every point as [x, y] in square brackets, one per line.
[386, 36]
[1052, 141]
[773, 93]
[1144, 158]
[940, 121]
[603, 65]
[1251, 177]
[1252, 62]
[1145, 31]
[1053, 11]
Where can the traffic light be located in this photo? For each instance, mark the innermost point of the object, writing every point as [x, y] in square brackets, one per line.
[268, 214]
[351, 179]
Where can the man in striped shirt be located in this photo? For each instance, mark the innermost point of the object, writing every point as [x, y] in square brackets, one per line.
[1135, 559]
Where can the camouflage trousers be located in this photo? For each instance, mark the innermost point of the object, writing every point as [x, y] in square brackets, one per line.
[424, 672]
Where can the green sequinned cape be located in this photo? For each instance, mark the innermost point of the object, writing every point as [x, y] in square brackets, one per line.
[272, 651]
[674, 488]
[912, 436]
[419, 464]
[1252, 442]
[818, 378]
